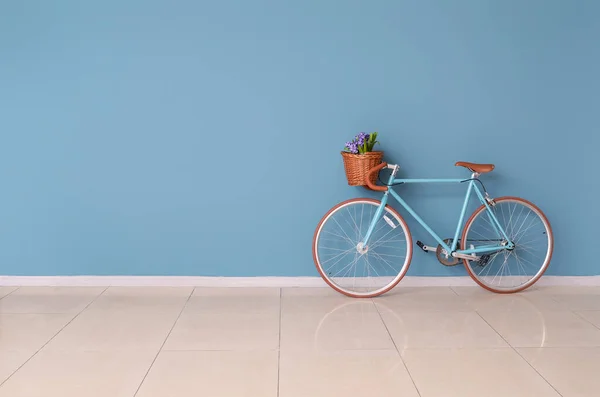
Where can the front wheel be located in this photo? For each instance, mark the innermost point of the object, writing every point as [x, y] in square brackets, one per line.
[350, 268]
[515, 269]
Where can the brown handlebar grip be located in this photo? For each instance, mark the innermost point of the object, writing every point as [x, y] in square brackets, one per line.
[368, 178]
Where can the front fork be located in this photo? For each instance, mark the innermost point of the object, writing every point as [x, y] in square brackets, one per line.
[362, 246]
[364, 243]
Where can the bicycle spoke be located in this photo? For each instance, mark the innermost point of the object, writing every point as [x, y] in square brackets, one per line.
[336, 262]
[385, 261]
[510, 269]
[347, 266]
[338, 248]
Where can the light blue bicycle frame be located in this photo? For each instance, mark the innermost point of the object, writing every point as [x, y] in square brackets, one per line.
[452, 248]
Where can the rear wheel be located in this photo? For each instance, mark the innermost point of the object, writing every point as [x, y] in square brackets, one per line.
[350, 268]
[509, 270]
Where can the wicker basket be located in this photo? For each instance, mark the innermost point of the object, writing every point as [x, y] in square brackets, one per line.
[358, 165]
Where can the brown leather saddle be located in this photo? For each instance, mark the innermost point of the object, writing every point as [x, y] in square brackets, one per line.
[474, 167]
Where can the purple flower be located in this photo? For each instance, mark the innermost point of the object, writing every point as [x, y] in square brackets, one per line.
[361, 138]
[358, 142]
[352, 147]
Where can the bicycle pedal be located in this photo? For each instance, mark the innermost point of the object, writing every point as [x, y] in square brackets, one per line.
[483, 260]
[421, 245]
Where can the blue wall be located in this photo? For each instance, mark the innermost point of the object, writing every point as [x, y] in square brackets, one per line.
[203, 137]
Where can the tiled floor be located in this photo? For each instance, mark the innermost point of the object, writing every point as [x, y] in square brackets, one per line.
[267, 342]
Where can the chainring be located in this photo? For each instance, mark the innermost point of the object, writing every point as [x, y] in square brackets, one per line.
[441, 257]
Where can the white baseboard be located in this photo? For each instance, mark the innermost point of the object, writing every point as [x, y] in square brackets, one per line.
[191, 281]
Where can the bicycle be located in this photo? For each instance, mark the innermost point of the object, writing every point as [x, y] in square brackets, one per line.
[358, 242]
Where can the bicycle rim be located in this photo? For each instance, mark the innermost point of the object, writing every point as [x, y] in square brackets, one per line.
[369, 273]
[509, 271]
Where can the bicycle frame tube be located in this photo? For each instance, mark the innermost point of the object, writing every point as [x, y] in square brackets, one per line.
[378, 214]
[452, 248]
[492, 217]
[425, 225]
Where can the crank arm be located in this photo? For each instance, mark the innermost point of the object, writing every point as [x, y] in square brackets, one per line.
[428, 248]
[471, 257]
[425, 247]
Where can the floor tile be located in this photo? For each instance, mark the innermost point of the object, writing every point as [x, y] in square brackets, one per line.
[314, 301]
[578, 301]
[118, 330]
[11, 360]
[49, 299]
[234, 300]
[439, 329]
[159, 293]
[357, 373]
[480, 299]
[351, 325]
[149, 299]
[228, 319]
[566, 290]
[474, 373]
[572, 371]
[81, 373]
[534, 290]
[237, 291]
[29, 332]
[543, 329]
[225, 331]
[592, 316]
[318, 292]
[214, 374]
[424, 299]
[6, 290]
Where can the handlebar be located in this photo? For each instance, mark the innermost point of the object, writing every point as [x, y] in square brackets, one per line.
[368, 178]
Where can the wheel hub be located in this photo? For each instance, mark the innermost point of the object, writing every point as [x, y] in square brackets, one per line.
[361, 248]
